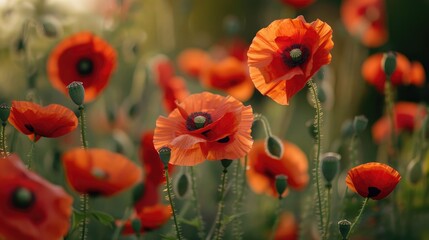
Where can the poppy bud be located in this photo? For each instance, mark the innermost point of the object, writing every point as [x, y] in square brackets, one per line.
[388, 63]
[330, 166]
[311, 128]
[76, 92]
[281, 184]
[136, 224]
[138, 192]
[182, 185]
[4, 112]
[50, 27]
[347, 128]
[359, 124]
[22, 198]
[274, 147]
[344, 228]
[226, 163]
[415, 171]
[165, 154]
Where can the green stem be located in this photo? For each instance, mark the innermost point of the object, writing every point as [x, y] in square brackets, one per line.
[357, 218]
[82, 119]
[170, 199]
[277, 218]
[328, 212]
[317, 123]
[3, 139]
[388, 100]
[264, 121]
[352, 151]
[31, 153]
[200, 229]
[221, 204]
[84, 198]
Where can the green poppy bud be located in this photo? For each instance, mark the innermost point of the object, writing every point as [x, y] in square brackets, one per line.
[165, 154]
[76, 92]
[226, 163]
[274, 147]
[344, 228]
[136, 224]
[359, 124]
[330, 166]
[4, 112]
[182, 185]
[388, 63]
[281, 184]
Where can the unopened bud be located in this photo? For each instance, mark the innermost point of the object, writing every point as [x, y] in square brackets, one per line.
[165, 154]
[330, 166]
[344, 228]
[274, 147]
[281, 184]
[76, 92]
[182, 185]
[4, 112]
[136, 224]
[388, 63]
[359, 124]
[50, 27]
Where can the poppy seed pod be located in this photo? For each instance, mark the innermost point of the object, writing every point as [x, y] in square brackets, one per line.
[165, 154]
[4, 112]
[330, 166]
[76, 92]
[274, 147]
[226, 163]
[281, 184]
[344, 227]
[359, 124]
[388, 63]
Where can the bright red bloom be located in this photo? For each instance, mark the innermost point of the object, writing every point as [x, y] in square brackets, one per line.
[82, 57]
[286, 54]
[205, 126]
[298, 3]
[151, 217]
[408, 116]
[287, 228]
[192, 61]
[99, 172]
[36, 121]
[365, 19]
[373, 180]
[404, 74]
[231, 76]
[31, 207]
[263, 169]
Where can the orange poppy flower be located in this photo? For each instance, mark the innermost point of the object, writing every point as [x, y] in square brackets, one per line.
[99, 172]
[287, 227]
[205, 126]
[151, 218]
[231, 76]
[192, 61]
[408, 116]
[365, 19]
[298, 3]
[30, 207]
[151, 161]
[372, 180]
[263, 169]
[82, 57]
[286, 54]
[36, 121]
[404, 74]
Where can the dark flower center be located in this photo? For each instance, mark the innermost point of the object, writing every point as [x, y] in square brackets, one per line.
[198, 120]
[84, 66]
[373, 192]
[295, 55]
[22, 198]
[224, 140]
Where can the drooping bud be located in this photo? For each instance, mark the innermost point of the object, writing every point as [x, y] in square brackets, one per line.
[22, 198]
[330, 166]
[4, 112]
[50, 26]
[182, 185]
[388, 63]
[359, 124]
[415, 171]
[76, 92]
[165, 154]
[136, 224]
[274, 147]
[281, 184]
[344, 228]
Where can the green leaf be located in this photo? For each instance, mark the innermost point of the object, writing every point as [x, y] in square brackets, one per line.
[194, 222]
[77, 217]
[103, 218]
[167, 237]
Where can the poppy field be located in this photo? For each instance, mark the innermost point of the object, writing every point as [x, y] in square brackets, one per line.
[246, 119]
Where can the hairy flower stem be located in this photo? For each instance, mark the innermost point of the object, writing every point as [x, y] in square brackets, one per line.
[200, 228]
[328, 212]
[173, 209]
[240, 185]
[317, 124]
[3, 139]
[264, 121]
[388, 101]
[357, 217]
[84, 198]
[31, 153]
[221, 205]
[277, 218]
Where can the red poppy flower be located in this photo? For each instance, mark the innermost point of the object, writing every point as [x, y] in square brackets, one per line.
[286, 54]
[372, 180]
[151, 218]
[151, 162]
[36, 121]
[408, 116]
[298, 3]
[82, 57]
[287, 227]
[365, 19]
[205, 126]
[30, 207]
[231, 76]
[404, 74]
[263, 168]
[99, 172]
[192, 61]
